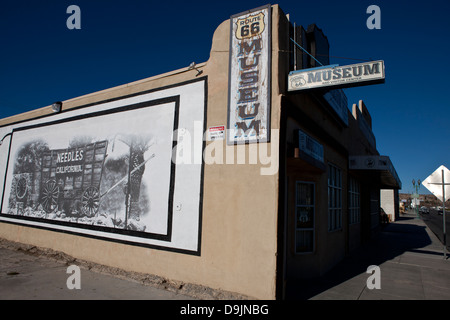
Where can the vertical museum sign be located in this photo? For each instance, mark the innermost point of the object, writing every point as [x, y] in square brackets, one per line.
[249, 77]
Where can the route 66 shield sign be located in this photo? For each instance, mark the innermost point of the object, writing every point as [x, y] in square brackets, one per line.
[250, 26]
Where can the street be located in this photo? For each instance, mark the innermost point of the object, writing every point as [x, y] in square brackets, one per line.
[434, 221]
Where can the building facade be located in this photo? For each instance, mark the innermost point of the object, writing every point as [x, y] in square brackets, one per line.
[212, 175]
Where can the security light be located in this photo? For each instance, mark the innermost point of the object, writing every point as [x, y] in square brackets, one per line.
[6, 135]
[192, 66]
[56, 107]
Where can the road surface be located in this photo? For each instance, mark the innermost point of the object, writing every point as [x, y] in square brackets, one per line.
[434, 221]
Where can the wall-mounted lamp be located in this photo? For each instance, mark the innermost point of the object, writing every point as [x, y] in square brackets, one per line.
[192, 66]
[6, 135]
[56, 107]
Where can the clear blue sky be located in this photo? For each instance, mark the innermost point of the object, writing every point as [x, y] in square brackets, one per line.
[42, 61]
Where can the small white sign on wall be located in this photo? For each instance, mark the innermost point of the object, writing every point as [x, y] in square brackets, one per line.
[216, 133]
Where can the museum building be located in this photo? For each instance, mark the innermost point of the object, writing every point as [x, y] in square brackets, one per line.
[241, 174]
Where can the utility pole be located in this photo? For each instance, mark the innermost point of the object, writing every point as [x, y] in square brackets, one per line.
[416, 196]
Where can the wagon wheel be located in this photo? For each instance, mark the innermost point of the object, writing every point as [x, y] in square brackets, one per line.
[21, 188]
[90, 201]
[50, 195]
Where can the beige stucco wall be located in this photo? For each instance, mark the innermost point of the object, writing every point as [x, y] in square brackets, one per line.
[388, 202]
[239, 216]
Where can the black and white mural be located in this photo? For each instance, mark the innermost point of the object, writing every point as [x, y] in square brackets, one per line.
[110, 170]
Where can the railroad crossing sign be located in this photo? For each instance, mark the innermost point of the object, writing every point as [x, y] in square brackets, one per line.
[439, 183]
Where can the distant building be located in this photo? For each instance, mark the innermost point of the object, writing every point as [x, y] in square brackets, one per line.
[428, 200]
[212, 175]
[390, 203]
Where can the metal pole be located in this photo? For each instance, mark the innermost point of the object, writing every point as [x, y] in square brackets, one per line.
[307, 52]
[443, 215]
[417, 201]
[295, 49]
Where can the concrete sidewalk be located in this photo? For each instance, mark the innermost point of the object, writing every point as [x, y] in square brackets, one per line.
[25, 276]
[411, 262]
[409, 255]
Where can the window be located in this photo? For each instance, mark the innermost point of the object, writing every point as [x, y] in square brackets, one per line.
[334, 198]
[304, 217]
[354, 200]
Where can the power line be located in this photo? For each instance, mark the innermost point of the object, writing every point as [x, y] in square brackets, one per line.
[304, 50]
[326, 55]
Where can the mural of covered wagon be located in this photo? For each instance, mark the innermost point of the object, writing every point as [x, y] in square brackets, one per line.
[70, 179]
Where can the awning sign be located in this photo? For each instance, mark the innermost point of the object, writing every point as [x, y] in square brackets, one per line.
[337, 76]
[310, 146]
[249, 77]
[382, 164]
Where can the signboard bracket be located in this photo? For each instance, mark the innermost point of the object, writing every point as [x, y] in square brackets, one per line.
[304, 50]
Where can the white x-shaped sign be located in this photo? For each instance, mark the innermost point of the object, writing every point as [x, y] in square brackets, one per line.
[435, 181]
